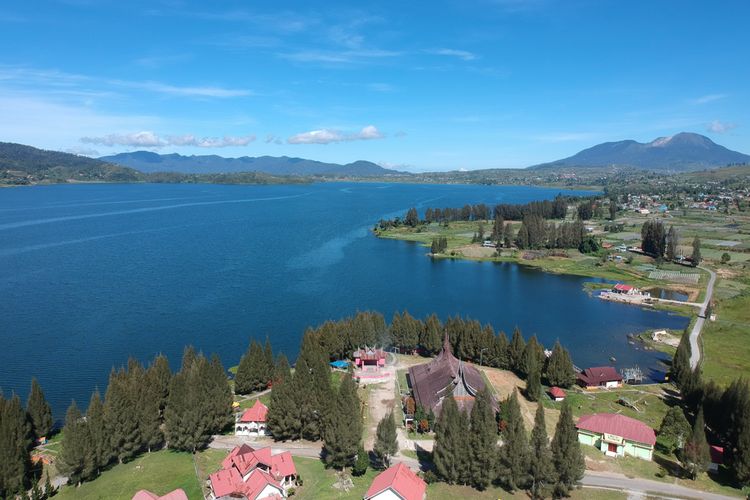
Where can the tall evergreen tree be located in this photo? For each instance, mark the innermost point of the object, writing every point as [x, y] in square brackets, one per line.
[386, 444]
[161, 377]
[149, 411]
[121, 415]
[342, 431]
[268, 359]
[695, 456]
[532, 349]
[560, 371]
[499, 348]
[735, 403]
[508, 235]
[40, 414]
[312, 384]
[696, 256]
[281, 370]
[98, 437]
[672, 242]
[432, 337]
[534, 379]
[566, 453]
[361, 463]
[75, 452]
[482, 441]
[451, 450]
[514, 454]
[674, 430]
[283, 419]
[680, 369]
[412, 218]
[541, 465]
[254, 371]
[516, 351]
[15, 435]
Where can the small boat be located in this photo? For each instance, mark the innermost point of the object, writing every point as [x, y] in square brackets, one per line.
[613, 359]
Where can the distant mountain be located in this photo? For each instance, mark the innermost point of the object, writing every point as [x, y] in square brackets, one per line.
[146, 161]
[678, 153]
[20, 164]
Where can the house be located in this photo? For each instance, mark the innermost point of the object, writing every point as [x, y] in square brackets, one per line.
[599, 377]
[617, 435]
[556, 394]
[445, 375]
[717, 457]
[397, 482]
[254, 474]
[625, 289]
[178, 494]
[489, 244]
[253, 421]
[368, 358]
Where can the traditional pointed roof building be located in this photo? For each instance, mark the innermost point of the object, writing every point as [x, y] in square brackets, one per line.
[445, 375]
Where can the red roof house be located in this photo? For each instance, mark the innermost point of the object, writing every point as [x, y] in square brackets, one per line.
[242, 467]
[178, 494]
[620, 288]
[369, 358]
[252, 421]
[717, 457]
[599, 376]
[617, 435]
[556, 393]
[398, 480]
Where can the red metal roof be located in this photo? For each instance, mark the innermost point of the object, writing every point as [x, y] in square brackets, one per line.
[401, 480]
[257, 413]
[599, 375]
[243, 459]
[177, 494]
[556, 392]
[623, 288]
[257, 482]
[225, 482]
[618, 425]
[717, 454]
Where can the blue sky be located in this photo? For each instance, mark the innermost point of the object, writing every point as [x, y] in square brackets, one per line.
[411, 85]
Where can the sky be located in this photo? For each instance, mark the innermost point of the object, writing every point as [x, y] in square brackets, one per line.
[417, 86]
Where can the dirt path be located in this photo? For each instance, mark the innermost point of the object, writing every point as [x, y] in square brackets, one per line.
[382, 400]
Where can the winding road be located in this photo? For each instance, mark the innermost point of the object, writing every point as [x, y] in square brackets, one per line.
[695, 350]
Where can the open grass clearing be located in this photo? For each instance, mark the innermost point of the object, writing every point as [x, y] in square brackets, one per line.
[159, 472]
[726, 341]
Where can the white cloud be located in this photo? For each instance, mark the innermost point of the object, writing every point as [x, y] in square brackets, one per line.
[339, 56]
[705, 99]
[328, 136]
[461, 54]
[719, 127]
[381, 87]
[148, 139]
[183, 91]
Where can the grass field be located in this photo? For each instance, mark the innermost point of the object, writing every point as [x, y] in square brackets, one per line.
[651, 401]
[726, 341]
[159, 472]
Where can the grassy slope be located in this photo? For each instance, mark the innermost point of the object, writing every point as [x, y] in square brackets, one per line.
[159, 472]
[726, 342]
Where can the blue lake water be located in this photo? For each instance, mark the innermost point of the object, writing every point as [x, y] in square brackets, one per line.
[93, 274]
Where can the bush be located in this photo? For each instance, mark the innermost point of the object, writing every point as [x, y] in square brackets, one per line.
[725, 257]
[430, 477]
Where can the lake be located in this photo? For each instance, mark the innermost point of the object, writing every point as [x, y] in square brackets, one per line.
[93, 274]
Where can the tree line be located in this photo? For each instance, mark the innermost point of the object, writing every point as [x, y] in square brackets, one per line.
[20, 428]
[660, 243]
[723, 413]
[466, 449]
[146, 409]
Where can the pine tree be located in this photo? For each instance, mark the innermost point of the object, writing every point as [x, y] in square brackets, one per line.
[49, 491]
[74, 449]
[674, 430]
[483, 440]
[283, 421]
[412, 218]
[254, 371]
[566, 453]
[149, 409]
[98, 437]
[281, 370]
[516, 351]
[500, 351]
[312, 386]
[534, 379]
[219, 396]
[560, 371]
[680, 370]
[161, 377]
[541, 466]
[696, 256]
[268, 360]
[508, 235]
[361, 463]
[673, 240]
[514, 454]
[450, 452]
[695, 456]
[15, 433]
[532, 349]
[386, 444]
[121, 415]
[342, 431]
[432, 338]
[40, 414]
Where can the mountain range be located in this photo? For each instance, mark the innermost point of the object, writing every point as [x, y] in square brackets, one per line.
[678, 153]
[147, 162]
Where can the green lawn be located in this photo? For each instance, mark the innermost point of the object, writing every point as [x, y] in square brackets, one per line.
[159, 472]
[726, 341]
[318, 481]
[442, 491]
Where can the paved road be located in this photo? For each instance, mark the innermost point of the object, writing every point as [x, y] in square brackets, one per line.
[610, 480]
[695, 350]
